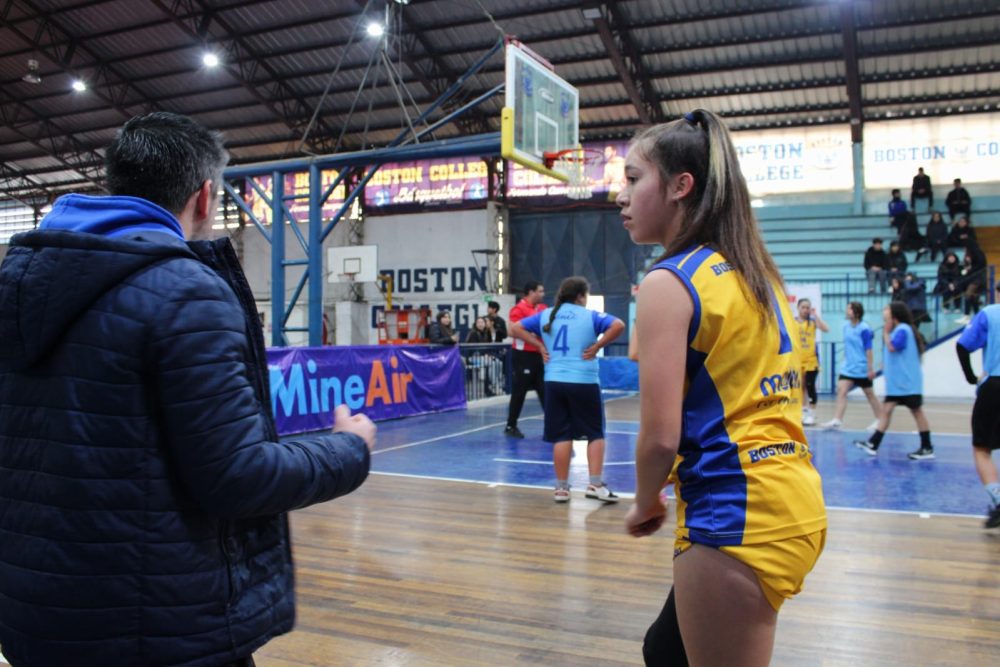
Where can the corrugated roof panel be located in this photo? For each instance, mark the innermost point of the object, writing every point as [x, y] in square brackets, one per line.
[954, 59]
[100, 17]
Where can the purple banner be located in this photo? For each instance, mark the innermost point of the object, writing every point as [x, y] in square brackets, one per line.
[383, 382]
[296, 185]
[428, 181]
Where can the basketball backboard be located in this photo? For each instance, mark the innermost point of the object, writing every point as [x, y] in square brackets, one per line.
[541, 112]
[356, 263]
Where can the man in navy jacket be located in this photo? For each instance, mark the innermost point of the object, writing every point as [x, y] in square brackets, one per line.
[143, 488]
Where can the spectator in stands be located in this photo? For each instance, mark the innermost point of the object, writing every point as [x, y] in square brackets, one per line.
[495, 323]
[895, 262]
[896, 289]
[937, 237]
[440, 332]
[913, 292]
[958, 200]
[910, 237]
[921, 189]
[949, 277]
[875, 265]
[479, 333]
[961, 234]
[898, 214]
[973, 280]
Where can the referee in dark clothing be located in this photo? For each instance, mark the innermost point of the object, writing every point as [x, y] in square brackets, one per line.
[527, 369]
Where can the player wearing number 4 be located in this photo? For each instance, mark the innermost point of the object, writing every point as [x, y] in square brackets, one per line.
[720, 391]
[569, 337]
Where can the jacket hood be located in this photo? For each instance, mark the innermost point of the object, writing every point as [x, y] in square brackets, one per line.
[49, 278]
[114, 217]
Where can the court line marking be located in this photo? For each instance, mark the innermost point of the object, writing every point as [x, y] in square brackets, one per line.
[835, 508]
[549, 462]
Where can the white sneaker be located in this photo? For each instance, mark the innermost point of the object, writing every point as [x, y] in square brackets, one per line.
[871, 428]
[602, 493]
[965, 319]
[808, 419]
[832, 425]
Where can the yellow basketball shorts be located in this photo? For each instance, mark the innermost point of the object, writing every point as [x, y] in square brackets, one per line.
[781, 566]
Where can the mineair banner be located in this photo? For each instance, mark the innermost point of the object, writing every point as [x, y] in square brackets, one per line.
[297, 186]
[383, 382]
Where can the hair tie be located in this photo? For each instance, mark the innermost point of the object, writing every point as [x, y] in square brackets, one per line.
[691, 118]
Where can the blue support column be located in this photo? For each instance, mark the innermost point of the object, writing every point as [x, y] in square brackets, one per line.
[315, 256]
[857, 154]
[277, 259]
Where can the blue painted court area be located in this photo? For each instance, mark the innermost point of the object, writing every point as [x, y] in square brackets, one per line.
[469, 445]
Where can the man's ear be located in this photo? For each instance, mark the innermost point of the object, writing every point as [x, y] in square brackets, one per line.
[205, 202]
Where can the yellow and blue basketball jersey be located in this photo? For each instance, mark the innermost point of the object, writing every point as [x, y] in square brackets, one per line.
[745, 472]
[807, 344]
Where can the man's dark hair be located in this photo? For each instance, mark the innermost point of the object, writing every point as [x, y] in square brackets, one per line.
[895, 191]
[876, 240]
[531, 286]
[494, 305]
[164, 158]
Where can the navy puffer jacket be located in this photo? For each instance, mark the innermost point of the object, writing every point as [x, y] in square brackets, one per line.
[142, 484]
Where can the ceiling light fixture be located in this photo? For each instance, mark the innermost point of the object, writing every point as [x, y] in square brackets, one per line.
[32, 76]
[375, 30]
[79, 86]
[210, 59]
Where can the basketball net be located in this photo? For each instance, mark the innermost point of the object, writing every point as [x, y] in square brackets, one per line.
[573, 163]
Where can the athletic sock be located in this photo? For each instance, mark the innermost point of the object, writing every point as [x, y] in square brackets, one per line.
[595, 480]
[993, 488]
[562, 484]
[876, 438]
[925, 440]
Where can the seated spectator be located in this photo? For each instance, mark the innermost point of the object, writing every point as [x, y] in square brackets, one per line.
[439, 332]
[973, 280]
[895, 289]
[958, 200]
[914, 295]
[961, 234]
[910, 237]
[895, 261]
[479, 333]
[921, 189]
[494, 323]
[937, 236]
[875, 265]
[897, 211]
[949, 277]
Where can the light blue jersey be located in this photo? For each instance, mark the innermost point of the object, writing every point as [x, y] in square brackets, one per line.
[903, 375]
[857, 341]
[573, 330]
[984, 332]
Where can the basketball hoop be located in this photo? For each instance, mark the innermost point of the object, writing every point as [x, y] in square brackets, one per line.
[573, 163]
[347, 277]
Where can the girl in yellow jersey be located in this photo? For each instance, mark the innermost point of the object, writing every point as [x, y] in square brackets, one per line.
[720, 390]
[808, 322]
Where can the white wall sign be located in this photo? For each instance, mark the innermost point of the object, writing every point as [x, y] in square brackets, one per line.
[950, 147]
[803, 159]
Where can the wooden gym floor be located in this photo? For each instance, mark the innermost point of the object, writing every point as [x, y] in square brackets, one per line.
[421, 569]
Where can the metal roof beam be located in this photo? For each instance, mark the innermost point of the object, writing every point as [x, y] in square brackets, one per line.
[54, 141]
[852, 73]
[42, 32]
[626, 61]
[19, 186]
[246, 64]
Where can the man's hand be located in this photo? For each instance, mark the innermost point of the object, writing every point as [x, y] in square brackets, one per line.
[359, 424]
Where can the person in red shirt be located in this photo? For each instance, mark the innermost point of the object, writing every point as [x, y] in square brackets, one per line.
[527, 368]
